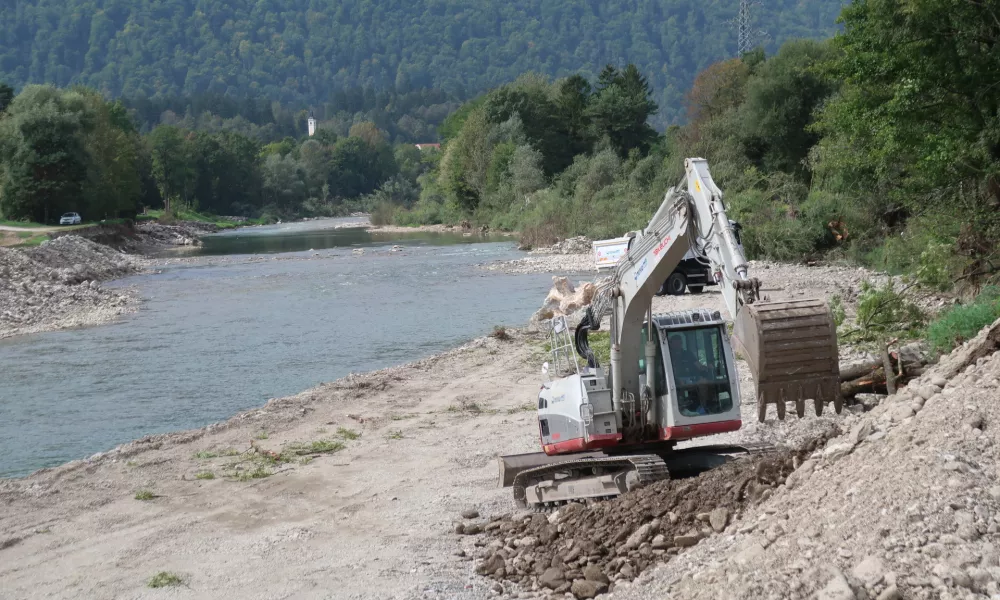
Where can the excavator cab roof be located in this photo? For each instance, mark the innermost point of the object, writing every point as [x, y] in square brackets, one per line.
[683, 319]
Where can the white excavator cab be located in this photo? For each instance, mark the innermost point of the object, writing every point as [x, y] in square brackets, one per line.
[697, 382]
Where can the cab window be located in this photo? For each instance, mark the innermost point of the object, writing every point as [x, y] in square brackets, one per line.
[700, 373]
[661, 374]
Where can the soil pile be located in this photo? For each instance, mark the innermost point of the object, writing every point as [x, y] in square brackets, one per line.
[55, 285]
[587, 550]
[904, 505]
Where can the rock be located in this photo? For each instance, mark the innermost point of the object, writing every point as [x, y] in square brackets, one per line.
[660, 542]
[626, 571]
[685, 541]
[870, 571]
[837, 451]
[974, 422]
[901, 413]
[926, 392]
[470, 513]
[594, 573]
[836, 589]
[938, 380]
[565, 299]
[460, 528]
[719, 518]
[639, 536]
[584, 588]
[472, 529]
[995, 492]
[748, 554]
[860, 432]
[496, 588]
[491, 565]
[890, 593]
[552, 578]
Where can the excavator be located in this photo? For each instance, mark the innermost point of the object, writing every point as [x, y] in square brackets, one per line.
[672, 378]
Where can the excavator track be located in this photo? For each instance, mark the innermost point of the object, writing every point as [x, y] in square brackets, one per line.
[586, 479]
[541, 487]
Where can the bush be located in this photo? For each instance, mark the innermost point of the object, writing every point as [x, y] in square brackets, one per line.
[884, 312]
[383, 214]
[961, 323]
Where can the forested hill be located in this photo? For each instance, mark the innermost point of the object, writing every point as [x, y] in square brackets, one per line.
[309, 52]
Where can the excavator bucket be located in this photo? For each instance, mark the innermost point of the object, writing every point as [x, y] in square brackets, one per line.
[792, 350]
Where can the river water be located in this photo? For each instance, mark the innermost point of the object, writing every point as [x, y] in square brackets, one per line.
[291, 307]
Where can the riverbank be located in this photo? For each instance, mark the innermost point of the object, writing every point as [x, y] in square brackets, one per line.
[58, 285]
[354, 485]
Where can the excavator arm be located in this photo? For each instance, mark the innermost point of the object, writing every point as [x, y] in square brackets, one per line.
[791, 346]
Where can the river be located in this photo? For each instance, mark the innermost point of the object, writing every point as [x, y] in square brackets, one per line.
[290, 307]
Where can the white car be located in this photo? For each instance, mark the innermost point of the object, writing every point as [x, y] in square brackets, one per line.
[70, 219]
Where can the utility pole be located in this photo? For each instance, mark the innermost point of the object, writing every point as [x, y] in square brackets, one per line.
[747, 36]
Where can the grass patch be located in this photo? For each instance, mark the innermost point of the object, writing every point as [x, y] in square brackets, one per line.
[402, 417]
[21, 223]
[261, 436]
[131, 463]
[205, 455]
[32, 240]
[395, 435]
[258, 472]
[204, 475]
[164, 579]
[144, 495]
[191, 215]
[347, 434]
[961, 323]
[526, 407]
[317, 447]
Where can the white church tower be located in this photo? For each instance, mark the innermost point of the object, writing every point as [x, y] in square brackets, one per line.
[312, 123]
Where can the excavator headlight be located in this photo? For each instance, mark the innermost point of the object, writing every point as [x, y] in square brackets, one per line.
[587, 413]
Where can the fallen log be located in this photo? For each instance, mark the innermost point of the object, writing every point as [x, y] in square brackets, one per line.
[869, 377]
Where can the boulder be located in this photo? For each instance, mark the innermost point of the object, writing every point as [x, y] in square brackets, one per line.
[584, 588]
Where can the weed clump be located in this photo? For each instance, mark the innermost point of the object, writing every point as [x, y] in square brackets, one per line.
[961, 323]
[204, 475]
[500, 333]
[164, 579]
[144, 495]
[347, 434]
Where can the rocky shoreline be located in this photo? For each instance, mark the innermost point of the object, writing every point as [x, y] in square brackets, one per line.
[57, 285]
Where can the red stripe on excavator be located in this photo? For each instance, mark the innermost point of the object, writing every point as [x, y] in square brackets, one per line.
[580, 445]
[685, 432]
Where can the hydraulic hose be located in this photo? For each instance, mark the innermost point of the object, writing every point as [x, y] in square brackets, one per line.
[582, 343]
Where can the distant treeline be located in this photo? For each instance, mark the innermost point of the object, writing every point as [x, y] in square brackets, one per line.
[72, 150]
[880, 145]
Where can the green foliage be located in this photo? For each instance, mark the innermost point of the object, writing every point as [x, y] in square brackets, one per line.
[347, 434]
[144, 495]
[883, 313]
[961, 323]
[164, 579]
[351, 59]
[203, 475]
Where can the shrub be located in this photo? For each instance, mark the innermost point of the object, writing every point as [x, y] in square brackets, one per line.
[961, 323]
[885, 312]
[164, 579]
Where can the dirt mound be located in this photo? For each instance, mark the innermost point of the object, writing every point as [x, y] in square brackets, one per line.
[904, 505]
[575, 245]
[587, 549]
[56, 285]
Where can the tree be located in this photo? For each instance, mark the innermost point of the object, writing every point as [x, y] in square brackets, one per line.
[174, 166]
[113, 145]
[6, 96]
[43, 160]
[781, 101]
[621, 108]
